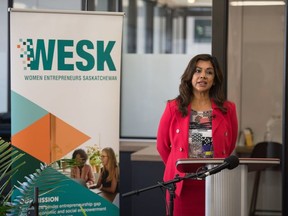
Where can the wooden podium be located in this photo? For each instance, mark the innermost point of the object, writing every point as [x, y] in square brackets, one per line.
[226, 191]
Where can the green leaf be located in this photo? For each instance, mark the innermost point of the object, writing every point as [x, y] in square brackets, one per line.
[8, 156]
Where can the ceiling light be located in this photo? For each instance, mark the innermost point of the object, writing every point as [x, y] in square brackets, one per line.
[191, 1]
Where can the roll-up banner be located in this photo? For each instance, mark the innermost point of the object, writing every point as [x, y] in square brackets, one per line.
[65, 105]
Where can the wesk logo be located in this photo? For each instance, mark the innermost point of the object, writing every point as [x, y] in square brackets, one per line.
[67, 55]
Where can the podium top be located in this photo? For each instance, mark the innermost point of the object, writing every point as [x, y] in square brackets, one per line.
[190, 165]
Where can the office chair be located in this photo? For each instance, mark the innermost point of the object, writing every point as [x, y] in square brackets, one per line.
[264, 150]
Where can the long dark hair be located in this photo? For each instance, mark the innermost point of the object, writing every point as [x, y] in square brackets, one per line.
[186, 89]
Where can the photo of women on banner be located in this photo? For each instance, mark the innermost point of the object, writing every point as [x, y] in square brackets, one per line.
[94, 168]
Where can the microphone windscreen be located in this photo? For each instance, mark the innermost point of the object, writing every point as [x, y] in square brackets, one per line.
[233, 161]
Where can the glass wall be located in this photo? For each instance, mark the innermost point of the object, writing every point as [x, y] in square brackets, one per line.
[256, 65]
[153, 27]
[48, 4]
[3, 58]
[160, 37]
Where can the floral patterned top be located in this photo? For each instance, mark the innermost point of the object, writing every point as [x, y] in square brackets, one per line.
[200, 134]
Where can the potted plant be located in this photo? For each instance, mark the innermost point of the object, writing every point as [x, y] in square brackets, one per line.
[94, 155]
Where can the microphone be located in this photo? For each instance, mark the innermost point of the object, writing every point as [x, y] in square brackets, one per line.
[230, 163]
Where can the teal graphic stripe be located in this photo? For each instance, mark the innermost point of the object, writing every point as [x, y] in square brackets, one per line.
[23, 112]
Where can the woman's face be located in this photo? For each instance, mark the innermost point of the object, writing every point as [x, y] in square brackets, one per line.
[203, 78]
[104, 158]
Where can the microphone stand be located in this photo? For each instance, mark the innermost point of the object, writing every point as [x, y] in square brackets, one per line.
[170, 186]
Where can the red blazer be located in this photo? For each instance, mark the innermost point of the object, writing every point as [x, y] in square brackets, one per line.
[172, 137]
